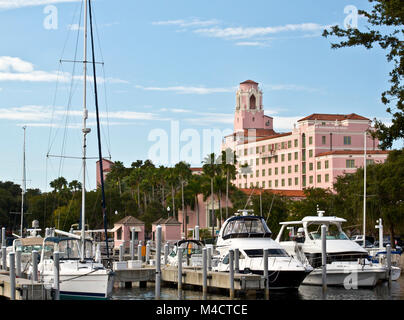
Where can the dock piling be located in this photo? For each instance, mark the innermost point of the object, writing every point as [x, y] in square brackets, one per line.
[148, 252]
[210, 258]
[4, 257]
[231, 273]
[56, 278]
[11, 257]
[121, 252]
[236, 260]
[324, 256]
[180, 269]
[266, 252]
[158, 261]
[388, 257]
[18, 263]
[165, 254]
[197, 232]
[3, 237]
[34, 265]
[204, 273]
[132, 244]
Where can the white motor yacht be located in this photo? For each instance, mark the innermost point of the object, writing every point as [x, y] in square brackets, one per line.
[251, 235]
[79, 278]
[191, 254]
[347, 262]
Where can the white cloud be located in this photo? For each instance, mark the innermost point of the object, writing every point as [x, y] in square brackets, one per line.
[15, 4]
[251, 44]
[195, 22]
[290, 87]
[16, 69]
[186, 90]
[250, 32]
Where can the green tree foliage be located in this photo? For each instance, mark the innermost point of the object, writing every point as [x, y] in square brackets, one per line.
[385, 28]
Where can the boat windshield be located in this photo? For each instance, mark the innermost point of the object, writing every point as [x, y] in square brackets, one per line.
[189, 248]
[68, 248]
[333, 233]
[246, 227]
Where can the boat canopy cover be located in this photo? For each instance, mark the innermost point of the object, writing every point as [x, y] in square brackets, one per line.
[246, 227]
[57, 239]
[198, 242]
[34, 241]
[316, 219]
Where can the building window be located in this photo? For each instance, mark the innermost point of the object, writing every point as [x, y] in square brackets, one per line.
[263, 160]
[282, 157]
[296, 181]
[269, 184]
[119, 234]
[283, 170]
[269, 160]
[310, 153]
[283, 145]
[257, 161]
[257, 173]
[347, 140]
[276, 159]
[289, 169]
[296, 143]
[369, 161]
[296, 155]
[257, 150]
[245, 152]
[263, 172]
[245, 185]
[311, 166]
[311, 179]
[304, 181]
[289, 156]
[263, 148]
[263, 184]
[327, 177]
[318, 178]
[350, 163]
[270, 171]
[326, 164]
[323, 139]
[296, 167]
[289, 182]
[318, 165]
[276, 183]
[310, 140]
[239, 185]
[276, 170]
[290, 144]
[283, 182]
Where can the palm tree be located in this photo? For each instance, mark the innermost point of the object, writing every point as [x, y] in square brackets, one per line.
[228, 163]
[194, 188]
[184, 173]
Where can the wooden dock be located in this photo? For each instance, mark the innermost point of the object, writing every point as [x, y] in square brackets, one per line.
[25, 289]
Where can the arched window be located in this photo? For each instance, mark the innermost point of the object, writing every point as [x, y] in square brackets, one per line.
[252, 102]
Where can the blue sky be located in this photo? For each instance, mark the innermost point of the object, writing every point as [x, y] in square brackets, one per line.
[168, 61]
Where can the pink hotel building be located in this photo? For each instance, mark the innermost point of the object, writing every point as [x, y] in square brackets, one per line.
[317, 150]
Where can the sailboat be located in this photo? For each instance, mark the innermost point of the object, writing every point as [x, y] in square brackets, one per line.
[81, 277]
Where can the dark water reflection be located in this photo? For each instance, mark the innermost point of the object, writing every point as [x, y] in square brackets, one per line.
[380, 292]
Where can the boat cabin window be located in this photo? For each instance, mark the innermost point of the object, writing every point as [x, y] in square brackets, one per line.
[259, 253]
[246, 227]
[226, 258]
[189, 248]
[334, 232]
[68, 249]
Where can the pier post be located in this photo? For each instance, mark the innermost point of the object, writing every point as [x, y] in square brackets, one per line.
[210, 258]
[158, 261]
[121, 252]
[56, 280]
[98, 253]
[236, 260]
[231, 273]
[18, 263]
[266, 251]
[165, 253]
[4, 257]
[11, 257]
[324, 256]
[204, 273]
[132, 244]
[147, 252]
[139, 251]
[388, 257]
[3, 237]
[34, 265]
[197, 232]
[179, 269]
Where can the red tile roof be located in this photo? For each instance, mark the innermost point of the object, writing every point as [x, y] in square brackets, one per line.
[129, 220]
[337, 152]
[286, 193]
[249, 81]
[333, 117]
[277, 135]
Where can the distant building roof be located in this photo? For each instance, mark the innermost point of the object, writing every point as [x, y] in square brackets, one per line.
[286, 193]
[129, 220]
[276, 135]
[111, 162]
[342, 152]
[169, 221]
[333, 117]
[249, 81]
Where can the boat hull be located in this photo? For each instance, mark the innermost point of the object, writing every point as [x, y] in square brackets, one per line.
[284, 279]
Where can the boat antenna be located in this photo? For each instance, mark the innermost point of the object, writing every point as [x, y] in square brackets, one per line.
[98, 132]
[24, 186]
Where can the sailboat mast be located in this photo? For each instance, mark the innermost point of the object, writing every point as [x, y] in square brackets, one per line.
[23, 186]
[85, 132]
[364, 192]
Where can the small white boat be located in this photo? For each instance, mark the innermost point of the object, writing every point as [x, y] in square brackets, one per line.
[79, 279]
[191, 254]
[347, 262]
[251, 235]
